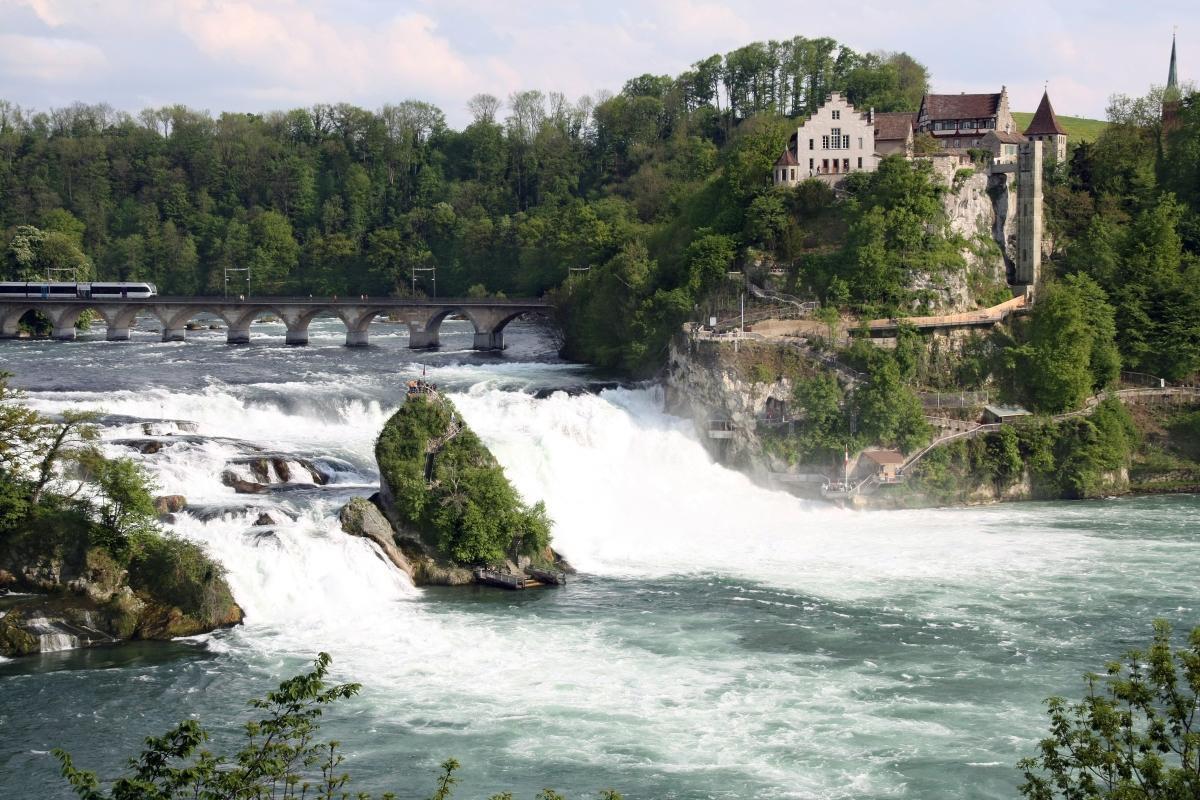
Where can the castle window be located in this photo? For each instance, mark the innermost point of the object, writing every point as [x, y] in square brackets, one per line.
[837, 114]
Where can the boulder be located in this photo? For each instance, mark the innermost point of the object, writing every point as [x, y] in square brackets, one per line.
[240, 485]
[360, 517]
[264, 520]
[170, 504]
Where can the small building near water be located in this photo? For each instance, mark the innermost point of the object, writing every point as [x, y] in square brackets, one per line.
[1000, 414]
[885, 464]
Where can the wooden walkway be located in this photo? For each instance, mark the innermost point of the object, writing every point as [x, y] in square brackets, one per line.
[971, 319]
[955, 430]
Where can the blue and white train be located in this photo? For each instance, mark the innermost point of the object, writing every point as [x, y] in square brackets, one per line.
[43, 290]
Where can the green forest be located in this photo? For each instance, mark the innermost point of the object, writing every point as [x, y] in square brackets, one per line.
[336, 199]
[628, 208]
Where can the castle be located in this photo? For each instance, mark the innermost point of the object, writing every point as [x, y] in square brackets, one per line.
[839, 138]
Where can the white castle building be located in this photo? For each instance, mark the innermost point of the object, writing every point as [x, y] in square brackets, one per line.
[834, 141]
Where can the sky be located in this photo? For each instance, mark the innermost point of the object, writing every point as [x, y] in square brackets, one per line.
[261, 55]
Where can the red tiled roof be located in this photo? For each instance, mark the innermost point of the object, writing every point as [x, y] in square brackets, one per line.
[1044, 122]
[893, 125]
[961, 106]
[787, 159]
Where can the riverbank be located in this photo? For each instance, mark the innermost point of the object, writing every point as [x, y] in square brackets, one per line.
[745, 402]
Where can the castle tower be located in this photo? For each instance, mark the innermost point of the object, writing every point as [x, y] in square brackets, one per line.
[786, 169]
[1171, 97]
[1044, 127]
[1029, 215]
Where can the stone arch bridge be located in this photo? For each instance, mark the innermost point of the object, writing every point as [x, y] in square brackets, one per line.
[424, 317]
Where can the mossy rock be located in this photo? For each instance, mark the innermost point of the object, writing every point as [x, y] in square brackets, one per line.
[438, 480]
[15, 641]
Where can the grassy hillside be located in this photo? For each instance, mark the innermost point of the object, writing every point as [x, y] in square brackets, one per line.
[1078, 128]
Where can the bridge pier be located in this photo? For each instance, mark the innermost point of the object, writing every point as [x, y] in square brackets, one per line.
[419, 338]
[489, 340]
[423, 316]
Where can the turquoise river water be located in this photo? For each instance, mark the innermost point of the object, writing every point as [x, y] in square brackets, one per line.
[721, 640]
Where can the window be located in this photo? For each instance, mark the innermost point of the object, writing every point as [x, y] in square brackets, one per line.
[845, 142]
[810, 144]
[810, 164]
[860, 143]
[824, 142]
[845, 165]
[836, 133]
[860, 162]
[837, 114]
[793, 173]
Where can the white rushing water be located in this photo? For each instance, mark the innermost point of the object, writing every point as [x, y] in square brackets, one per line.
[755, 644]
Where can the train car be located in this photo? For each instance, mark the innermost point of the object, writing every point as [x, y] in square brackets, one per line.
[119, 291]
[42, 290]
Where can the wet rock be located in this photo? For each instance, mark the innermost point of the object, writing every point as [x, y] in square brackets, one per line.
[264, 520]
[360, 518]
[170, 504]
[240, 485]
[144, 446]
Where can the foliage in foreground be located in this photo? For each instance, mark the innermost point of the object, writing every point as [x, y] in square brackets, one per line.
[280, 757]
[1135, 736]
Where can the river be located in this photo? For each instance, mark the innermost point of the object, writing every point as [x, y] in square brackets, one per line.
[721, 640]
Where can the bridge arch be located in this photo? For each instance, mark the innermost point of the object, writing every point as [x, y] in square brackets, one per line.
[424, 317]
[239, 319]
[11, 316]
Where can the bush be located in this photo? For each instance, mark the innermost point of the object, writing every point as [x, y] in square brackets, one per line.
[1133, 735]
[177, 573]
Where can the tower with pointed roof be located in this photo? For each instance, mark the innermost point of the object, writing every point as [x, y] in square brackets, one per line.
[1171, 97]
[1045, 127]
[1172, 91]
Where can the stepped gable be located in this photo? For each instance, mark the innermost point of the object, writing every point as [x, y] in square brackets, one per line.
[961, 106]
[893, 125]
[1044, 122]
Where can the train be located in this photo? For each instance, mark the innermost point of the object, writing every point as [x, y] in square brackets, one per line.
[46, 290]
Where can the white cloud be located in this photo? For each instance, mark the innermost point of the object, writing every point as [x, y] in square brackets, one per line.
[262, 54]
[50, 59]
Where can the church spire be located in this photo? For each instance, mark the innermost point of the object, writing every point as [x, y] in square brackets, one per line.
[1172, 91]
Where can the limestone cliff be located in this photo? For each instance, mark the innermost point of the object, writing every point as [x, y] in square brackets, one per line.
[980, 212]
[709, 382]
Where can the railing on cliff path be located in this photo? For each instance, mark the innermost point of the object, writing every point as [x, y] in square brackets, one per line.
[1165, 394]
